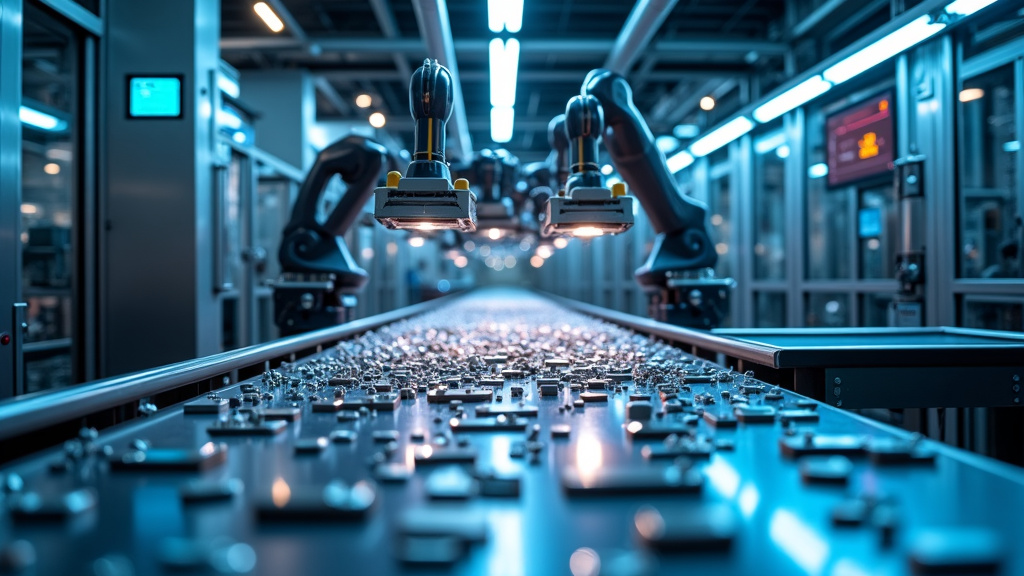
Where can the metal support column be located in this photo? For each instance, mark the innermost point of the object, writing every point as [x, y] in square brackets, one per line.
[11, 336]
[157, 241]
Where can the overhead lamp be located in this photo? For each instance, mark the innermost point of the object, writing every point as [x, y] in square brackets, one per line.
[819, 170]
[364, 101]
[505, 15]
[377, 120]
[607, 169]
[266, 13]
[769, 143]
[707, 103]
[971, 94]
[679, 161]
[666, 143]
[721, 136]
[796, 96]
[504, 65]
[967, 7]
[41, 120]
[686, 131]
[502, 121]
[892, 44]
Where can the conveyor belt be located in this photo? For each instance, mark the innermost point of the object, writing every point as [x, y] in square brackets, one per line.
[501, 434]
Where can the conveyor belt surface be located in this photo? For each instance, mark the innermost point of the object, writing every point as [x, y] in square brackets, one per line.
[500, 434]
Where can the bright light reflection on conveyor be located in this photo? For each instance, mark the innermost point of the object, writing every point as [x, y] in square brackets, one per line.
[723, 477]
[847, 567]
[280, 492]
[585, 562]
[749, 499]
[506, 558]
[501, 460]
[589, 457]
[798, 541]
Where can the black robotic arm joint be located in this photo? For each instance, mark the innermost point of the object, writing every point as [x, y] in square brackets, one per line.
[319, 276]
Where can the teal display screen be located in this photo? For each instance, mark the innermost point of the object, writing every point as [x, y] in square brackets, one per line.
[154, 97]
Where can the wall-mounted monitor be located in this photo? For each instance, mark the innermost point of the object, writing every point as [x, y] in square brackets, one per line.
[861, 141]
[152, 96]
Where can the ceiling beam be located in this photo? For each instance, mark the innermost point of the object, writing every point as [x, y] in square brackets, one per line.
[815, 17]
[389, 26]
[331, 95]
[644, 21]
[290, 23]
[568, 76]
[436, 31]
[413, 47]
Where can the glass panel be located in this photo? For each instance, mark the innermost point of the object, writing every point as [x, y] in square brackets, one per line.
[993, 313]
[874, 309]
[877, 219]
[48, 195]
[769, 309]
[272, 211]
[769, 208]
[231, 225]
[719, 198]
[828, 212]
[989, 214]
[827, 309]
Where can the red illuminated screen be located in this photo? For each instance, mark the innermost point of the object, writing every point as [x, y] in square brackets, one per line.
[861, 141]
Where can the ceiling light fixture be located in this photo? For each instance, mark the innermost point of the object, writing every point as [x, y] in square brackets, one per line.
[266, 13]
[721, 136]
[910, 35]
[505, 15]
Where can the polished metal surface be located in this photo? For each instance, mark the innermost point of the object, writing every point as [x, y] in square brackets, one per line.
[581, 490]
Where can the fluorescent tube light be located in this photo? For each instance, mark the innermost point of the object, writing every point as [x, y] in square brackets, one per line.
[41, 120]
[684, 131]
[504, 71]
[269, 18]
[910, 35]
[796, 96]
[502, 119]
[721, 136]
[679, 161]
[505, 15]
[768, 143]
[967, 7]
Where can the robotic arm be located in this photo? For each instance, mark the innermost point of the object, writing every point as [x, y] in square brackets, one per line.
[676, 272]
[319, 276]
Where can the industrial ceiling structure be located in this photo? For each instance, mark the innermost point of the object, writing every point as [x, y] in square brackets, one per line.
[673, 52]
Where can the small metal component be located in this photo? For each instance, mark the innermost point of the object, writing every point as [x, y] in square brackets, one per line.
[639, 410]
[310, 445]
[343, 436]
[826, 469]
[560, 430]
